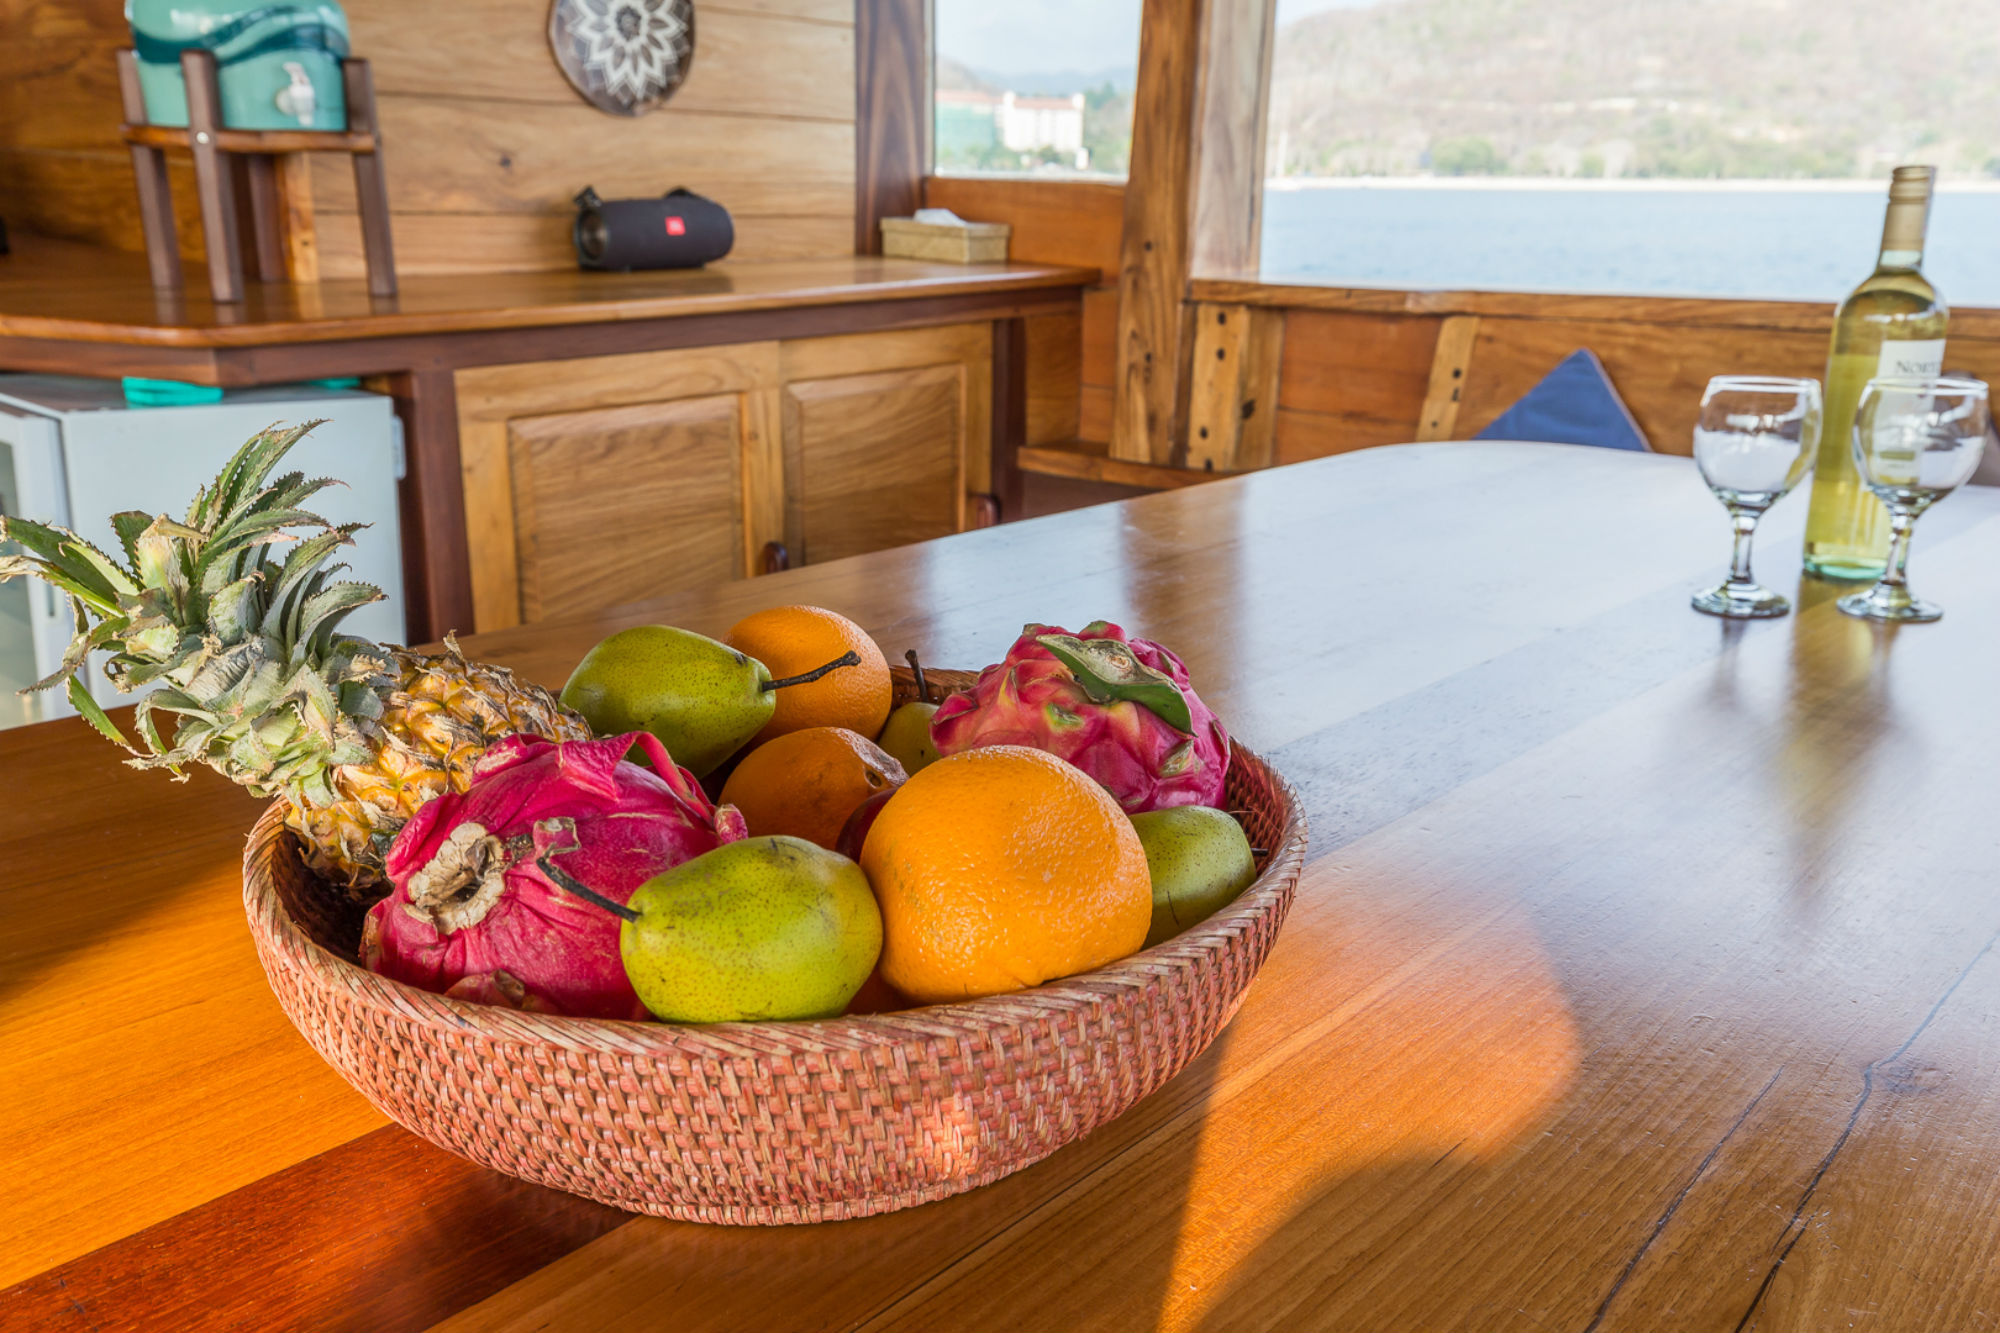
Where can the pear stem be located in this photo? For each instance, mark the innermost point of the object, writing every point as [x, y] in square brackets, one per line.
[917, 670]
[569, 884]
[848, 658]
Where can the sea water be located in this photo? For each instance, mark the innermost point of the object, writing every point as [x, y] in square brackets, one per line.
[1805, 241]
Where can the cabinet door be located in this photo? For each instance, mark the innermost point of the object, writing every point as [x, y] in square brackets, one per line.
[614, 478]
[873, 461]
[885, 435]
[625, 503]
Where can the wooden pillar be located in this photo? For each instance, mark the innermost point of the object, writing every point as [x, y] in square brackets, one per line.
[1194, 203]
[1233, 111]
[437, 568]
[1010, 417]
[1233, 387]
[1156, 245]
[892, 63]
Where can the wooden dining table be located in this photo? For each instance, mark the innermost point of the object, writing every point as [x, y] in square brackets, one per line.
[1642, 974]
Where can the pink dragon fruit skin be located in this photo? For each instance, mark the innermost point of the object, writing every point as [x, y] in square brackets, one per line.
[470, 913]
[1141, 759]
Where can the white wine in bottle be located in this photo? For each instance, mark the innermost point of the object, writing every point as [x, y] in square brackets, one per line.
[1892, 324]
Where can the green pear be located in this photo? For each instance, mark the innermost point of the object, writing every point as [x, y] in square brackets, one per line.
[907, 735]
[703, 699]
[1200, 860]
[763, 928]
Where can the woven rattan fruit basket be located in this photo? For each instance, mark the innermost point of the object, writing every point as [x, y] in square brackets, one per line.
[772, 1122]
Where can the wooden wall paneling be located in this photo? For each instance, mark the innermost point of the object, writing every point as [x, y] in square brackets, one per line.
[1155, 246]
[58, 81]
[618, 504]
[1660, 373]
[1233, 112]
[1233, 387]
[1054, 377]
[483, 155]
[892, 64]
[1054, 222]
[1302, 436]
[480, 185]
[746, 63]
[767, 74]
[874, 460]
[1450, 364]
[448, 243]
[90, 197]
[1351, 380]
[64, 171]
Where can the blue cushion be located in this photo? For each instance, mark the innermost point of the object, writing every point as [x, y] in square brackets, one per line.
[1574, 404]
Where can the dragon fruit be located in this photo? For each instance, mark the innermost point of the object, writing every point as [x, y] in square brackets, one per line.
[472, 914]
[1119, 709]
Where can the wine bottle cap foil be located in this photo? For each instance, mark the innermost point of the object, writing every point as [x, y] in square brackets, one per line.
[1911, 185]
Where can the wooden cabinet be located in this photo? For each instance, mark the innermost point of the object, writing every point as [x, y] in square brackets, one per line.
[610, 479]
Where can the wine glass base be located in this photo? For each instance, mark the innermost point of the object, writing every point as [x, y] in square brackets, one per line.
[1898, 606]
[1740, 601]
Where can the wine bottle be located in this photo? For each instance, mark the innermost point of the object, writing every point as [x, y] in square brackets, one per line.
[1892, 324]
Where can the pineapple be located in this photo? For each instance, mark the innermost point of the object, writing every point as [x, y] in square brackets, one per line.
[254, 678]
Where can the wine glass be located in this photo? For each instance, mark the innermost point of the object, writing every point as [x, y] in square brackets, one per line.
[1916, 440]
[1754, 441]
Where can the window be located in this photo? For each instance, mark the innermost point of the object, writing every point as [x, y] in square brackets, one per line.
[1035, 86]
[1685, 147]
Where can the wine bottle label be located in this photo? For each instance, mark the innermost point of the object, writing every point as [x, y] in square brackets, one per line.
[1916, 356]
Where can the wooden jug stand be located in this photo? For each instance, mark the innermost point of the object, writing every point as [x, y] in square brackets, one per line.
[225, 159]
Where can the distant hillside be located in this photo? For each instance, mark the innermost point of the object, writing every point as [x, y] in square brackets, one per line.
[1682, 88]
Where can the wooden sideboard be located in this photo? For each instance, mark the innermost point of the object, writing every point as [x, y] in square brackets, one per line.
[577, 440]
[612, 479]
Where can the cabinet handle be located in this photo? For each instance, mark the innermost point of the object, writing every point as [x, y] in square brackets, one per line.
[775, 558]
[985, 511]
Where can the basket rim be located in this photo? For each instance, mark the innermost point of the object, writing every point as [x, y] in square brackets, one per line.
[1271, 891]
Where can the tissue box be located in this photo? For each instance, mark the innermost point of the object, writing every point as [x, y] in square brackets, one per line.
[952, 242]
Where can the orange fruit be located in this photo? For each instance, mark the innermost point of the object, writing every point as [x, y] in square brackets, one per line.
[999, 869]
[806, 783]
[792, 640]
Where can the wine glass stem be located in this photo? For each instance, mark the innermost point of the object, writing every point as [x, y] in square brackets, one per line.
[1739, 556]
[1900, 524]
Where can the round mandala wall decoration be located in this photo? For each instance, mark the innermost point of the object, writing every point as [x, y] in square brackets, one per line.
[624, 56]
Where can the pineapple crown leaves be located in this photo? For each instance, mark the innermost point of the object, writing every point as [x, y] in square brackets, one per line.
[247, 649]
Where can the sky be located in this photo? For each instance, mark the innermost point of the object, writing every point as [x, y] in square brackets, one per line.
[1036, 36]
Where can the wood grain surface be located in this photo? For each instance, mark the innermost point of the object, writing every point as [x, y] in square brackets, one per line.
[1157, 246]
[487, 142]
[59, 291]
[1644, 976]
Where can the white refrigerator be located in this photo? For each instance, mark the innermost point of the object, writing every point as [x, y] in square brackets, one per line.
[72, 452]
